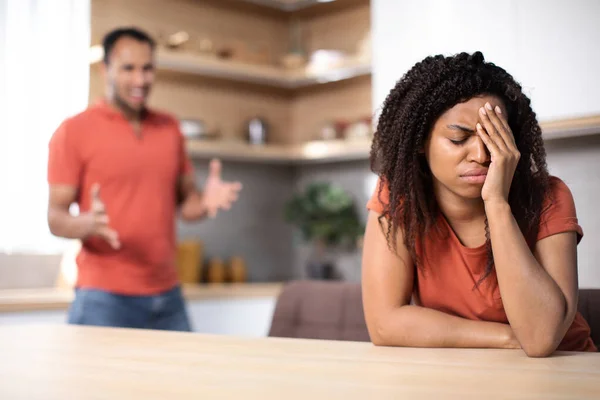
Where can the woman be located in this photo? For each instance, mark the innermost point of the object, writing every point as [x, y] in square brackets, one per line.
[465, 220]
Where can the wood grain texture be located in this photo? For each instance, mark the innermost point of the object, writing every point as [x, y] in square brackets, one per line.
[59, 362]
[200, 19]
[226, 106]
[346, 101]
[342, 30]
[324, 151]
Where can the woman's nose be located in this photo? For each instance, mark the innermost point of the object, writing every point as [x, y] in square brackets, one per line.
[478, 151]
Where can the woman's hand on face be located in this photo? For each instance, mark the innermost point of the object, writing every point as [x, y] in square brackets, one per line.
[500, 142]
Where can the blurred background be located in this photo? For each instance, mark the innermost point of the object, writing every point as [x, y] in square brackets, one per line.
[286, 93]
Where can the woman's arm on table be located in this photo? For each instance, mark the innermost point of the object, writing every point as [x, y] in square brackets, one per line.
[387, 287]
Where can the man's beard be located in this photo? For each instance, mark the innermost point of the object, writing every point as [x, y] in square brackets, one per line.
[128, 109]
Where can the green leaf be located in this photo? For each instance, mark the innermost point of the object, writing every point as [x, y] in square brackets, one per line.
[324, 212]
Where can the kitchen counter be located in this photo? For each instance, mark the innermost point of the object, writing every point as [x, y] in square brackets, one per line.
[42, 299]
[69, 362]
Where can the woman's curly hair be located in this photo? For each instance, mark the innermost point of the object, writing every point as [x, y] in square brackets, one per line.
[409, 112]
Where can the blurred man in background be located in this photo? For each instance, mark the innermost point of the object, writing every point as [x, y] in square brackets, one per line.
[126, 167]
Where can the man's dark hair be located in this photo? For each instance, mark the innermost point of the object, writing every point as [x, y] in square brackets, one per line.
[111, 38]
[410, 110]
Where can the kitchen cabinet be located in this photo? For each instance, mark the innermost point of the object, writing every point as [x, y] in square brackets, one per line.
[239, 309]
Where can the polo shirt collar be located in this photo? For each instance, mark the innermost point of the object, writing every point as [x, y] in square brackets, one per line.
[105, 108]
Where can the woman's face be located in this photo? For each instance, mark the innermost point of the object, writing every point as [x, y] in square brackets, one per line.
[457, 157]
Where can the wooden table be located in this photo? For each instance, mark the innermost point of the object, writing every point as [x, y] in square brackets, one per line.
[65, 362]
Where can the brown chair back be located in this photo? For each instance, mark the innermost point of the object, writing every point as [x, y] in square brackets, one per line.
[334, 310]
[589, 307]
[320, 310]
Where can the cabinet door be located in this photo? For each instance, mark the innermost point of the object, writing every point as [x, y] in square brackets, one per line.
[58, 317]
[240, 317]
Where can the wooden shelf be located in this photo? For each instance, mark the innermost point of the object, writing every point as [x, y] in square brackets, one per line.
[572, 127]
[342, 150]
[311, 152]
[211, 67]
[256, 74]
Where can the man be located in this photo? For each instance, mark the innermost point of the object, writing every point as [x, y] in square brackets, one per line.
[126, 167]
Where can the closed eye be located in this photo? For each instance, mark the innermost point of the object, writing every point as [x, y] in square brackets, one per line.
[459, 142]
[461, 129]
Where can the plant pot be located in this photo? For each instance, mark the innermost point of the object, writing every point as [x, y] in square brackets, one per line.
[321, 265]
[321, 270]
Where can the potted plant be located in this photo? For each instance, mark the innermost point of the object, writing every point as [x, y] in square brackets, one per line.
[327, 218]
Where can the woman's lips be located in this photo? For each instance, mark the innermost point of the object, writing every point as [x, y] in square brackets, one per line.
[474, 176]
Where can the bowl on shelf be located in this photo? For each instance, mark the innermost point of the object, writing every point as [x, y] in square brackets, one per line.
[196, 129]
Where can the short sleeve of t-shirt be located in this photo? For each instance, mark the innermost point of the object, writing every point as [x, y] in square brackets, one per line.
[378, 200]
[559, 214]
[64, 159]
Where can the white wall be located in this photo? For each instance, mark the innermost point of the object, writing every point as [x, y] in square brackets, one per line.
[577, 162]
[550, 46]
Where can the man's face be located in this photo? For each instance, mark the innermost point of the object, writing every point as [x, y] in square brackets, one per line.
[129, 73]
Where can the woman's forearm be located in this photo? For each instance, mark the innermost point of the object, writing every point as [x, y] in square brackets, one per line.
[535, 306]
[415, 326]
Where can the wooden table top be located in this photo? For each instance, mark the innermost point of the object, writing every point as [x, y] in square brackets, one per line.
[67, 362]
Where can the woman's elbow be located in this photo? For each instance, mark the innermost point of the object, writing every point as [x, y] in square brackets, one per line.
[538, 351]
[378, 340]
[539, 347]
[544, 341]
[378, 333]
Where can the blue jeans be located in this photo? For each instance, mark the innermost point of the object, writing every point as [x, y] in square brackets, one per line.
[165, 311]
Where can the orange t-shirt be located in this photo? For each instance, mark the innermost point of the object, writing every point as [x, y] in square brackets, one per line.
[450, 270]
[138, 184]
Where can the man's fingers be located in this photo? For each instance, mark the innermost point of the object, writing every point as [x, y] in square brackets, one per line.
[114, 243]
[97, 207]
[95, 191]
[232, 197]
[101, 219]
[215, 168]
[237, 186]
[111, 236]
